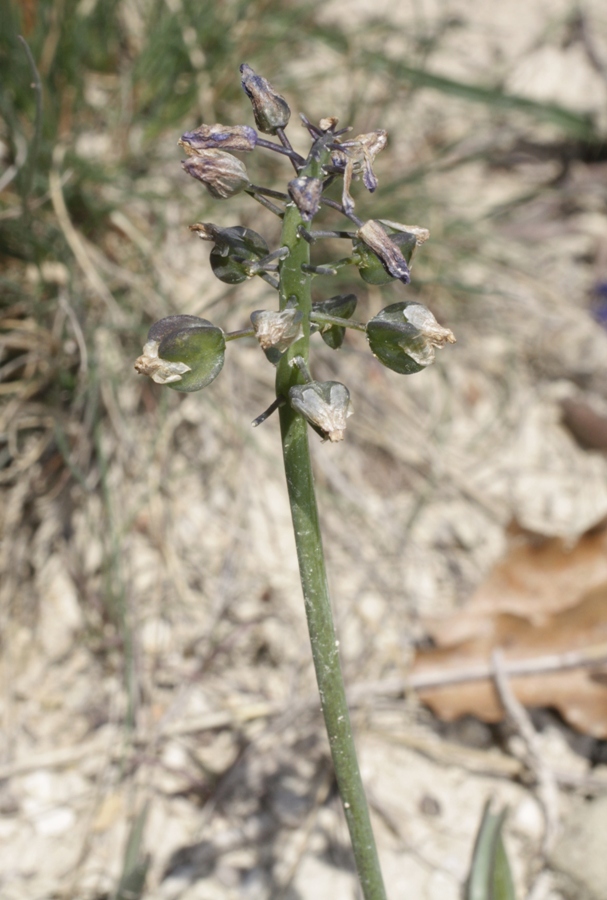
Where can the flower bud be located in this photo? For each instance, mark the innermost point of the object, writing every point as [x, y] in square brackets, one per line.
[325, 405]
[233, 247]
[403, 336]
[271, 111]
[185, 352]
[387, 250]
[222, 174]
[276, 331]
[306, 193]
[219, 137]
[342, 305]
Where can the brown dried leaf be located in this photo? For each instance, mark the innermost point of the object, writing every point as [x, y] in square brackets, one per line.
[540, 601]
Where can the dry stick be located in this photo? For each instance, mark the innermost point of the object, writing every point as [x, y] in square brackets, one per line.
[595, 655]
[547, 790]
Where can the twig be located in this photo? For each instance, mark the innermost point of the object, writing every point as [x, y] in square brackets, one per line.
[547, 790]
[589, 657]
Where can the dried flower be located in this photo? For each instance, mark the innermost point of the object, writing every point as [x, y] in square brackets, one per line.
[325, 405]
[374, 236]
[159, 370]
[306, 193]
[356, 157]
[404, 335]
[222, 174]
[329, 123]
[421, 234]
[277, 330]
[434, 335]
[271, 111]
[219, 137]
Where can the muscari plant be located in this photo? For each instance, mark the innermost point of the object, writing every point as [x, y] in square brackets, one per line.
[186, 352]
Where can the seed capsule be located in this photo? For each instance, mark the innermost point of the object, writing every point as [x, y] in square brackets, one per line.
[184, 352]
[306, 193]
[404, 336]
[223, 175]
[325, 405]
[343, 306]
[270, 109]
[233, 248]
[386, 249]
[219, 137]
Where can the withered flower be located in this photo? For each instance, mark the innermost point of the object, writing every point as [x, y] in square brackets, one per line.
[390, 255]
[433, 334]
[306, 193]
[356, 157]
[270, 109]
[219, 137]
[325, 405]
[277, 330]
[222, 174]
[162, 371]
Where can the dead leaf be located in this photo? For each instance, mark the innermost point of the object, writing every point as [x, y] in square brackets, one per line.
[537, 578]
[541, 600]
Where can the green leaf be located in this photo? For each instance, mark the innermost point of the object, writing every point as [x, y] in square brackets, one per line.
[490, 876]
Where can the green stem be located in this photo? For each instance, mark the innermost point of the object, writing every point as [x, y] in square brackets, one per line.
[325, 319]
[296, 284]
[237, 335]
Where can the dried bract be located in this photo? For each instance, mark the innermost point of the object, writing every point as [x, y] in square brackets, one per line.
[223, 175]
[329, 123]
[306, 193]
[325, 405]
[219, 137]
[270, 109]
[374, 236]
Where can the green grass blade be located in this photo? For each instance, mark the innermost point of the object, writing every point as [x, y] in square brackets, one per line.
[490, 877]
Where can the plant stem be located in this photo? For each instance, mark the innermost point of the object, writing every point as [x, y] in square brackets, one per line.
[326, 319]
[295, 283]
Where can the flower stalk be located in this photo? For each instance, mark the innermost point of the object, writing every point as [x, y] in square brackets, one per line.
[186, 353]
[295, 283]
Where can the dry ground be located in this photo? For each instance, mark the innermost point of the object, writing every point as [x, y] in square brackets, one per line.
[155, 654]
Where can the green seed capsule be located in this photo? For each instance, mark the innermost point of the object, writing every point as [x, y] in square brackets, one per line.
[403, 337]
[184, 352]
[343, 306]
[233, 247]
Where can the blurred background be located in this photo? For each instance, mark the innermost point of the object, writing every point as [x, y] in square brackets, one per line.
[161, 738]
